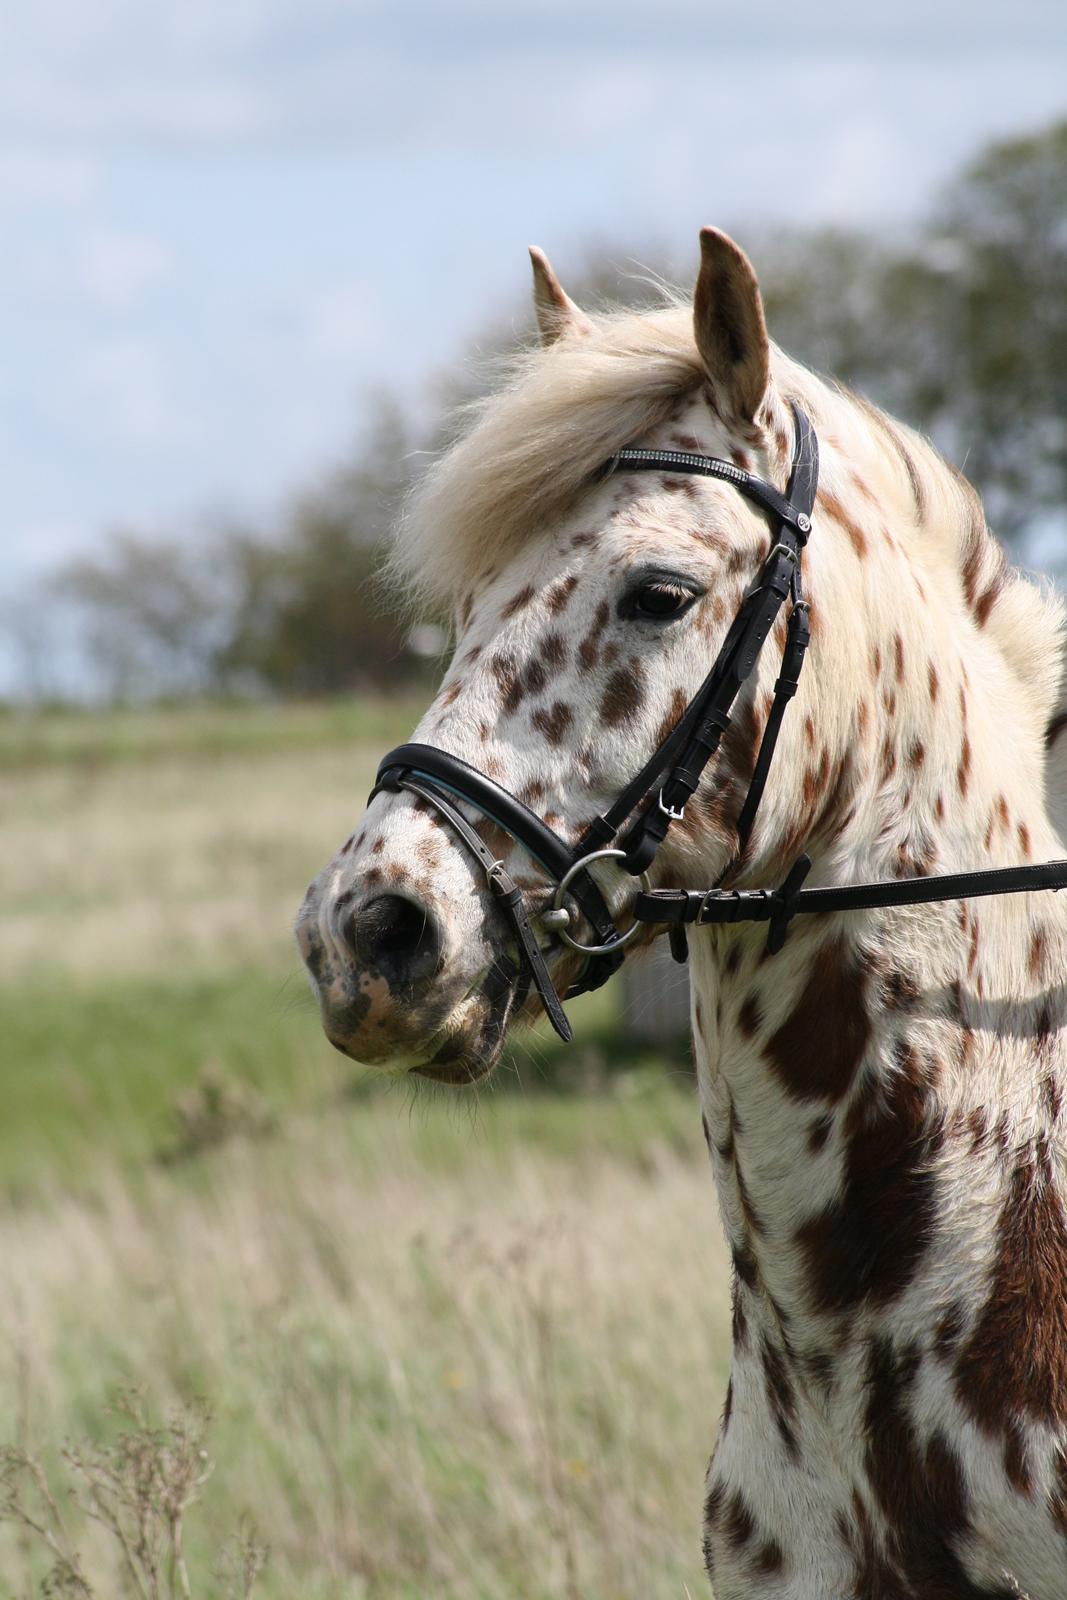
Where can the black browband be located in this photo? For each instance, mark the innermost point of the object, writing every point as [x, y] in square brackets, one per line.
[658, 794]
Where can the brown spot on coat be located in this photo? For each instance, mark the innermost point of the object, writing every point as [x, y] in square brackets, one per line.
[518, 602]
[558, 595]
[1015, 1362]
[748, 1018]
[819, 1133]
[553, 723]
[1037, 952]
[738, 1319]
[768, 1559]
[508, 681]
[589, 648]
[818, 1050]
[963, 771]
[985, 602]
[781, 1396]
[918, 1485]
[624, 694]
[915, 479]
[738, 1522]
[867, 1244]
[679, 701]
[834, 509]
[534, 678]
[552, 652]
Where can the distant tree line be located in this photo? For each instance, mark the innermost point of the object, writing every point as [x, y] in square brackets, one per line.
[960, 328]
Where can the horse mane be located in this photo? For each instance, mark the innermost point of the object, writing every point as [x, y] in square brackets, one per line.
[530, 447]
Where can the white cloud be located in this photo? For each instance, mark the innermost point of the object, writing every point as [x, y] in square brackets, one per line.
[384, 72]
[120, 268]
[31, 176]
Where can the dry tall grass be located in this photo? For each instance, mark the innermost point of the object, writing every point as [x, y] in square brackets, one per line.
[442, 1365]
[465, 1350]
[137, 868]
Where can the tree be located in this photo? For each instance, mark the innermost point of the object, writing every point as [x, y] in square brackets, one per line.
[153, 618]
[960, 329]
[293, 610]
[308, 614]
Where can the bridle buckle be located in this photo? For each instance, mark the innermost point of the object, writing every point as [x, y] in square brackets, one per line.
[676, 814]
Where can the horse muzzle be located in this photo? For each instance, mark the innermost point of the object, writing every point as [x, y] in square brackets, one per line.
[389, 994]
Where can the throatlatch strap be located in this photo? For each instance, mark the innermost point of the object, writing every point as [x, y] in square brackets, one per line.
[705, 907]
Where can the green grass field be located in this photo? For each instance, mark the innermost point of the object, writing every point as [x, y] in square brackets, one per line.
[456, 1346]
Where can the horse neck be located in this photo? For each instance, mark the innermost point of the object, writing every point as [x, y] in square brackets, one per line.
[836, 1076]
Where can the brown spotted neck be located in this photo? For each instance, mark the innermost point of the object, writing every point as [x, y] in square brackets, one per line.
[829, 1075]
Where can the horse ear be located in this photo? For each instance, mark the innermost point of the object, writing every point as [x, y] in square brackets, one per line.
[557, 313]
[731, 334]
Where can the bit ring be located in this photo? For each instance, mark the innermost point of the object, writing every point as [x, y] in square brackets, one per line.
[561, 889]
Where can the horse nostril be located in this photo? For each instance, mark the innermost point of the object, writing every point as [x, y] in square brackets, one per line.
[397, 936]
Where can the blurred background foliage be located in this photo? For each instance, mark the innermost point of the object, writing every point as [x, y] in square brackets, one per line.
[959, 327]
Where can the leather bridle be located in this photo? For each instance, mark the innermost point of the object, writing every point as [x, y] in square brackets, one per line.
[658, 794]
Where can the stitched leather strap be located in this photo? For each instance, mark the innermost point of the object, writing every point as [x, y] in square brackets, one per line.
[796, 645]
[705, 907]
[785, 509]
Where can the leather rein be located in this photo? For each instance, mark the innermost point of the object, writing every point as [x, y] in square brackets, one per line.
[658, 794]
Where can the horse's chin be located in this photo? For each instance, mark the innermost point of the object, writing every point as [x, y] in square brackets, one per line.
[458, 1065]
[468, 1051]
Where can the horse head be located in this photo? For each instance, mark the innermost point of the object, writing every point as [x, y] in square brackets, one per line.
[588, 607]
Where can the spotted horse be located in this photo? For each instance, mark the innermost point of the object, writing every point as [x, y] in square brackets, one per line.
[641, 535]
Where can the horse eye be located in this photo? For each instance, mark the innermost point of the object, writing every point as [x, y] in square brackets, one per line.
[658, 601]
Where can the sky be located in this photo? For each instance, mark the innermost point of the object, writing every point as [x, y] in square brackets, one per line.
[225, 228]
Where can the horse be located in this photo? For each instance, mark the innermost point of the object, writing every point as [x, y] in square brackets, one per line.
[882, 1091]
